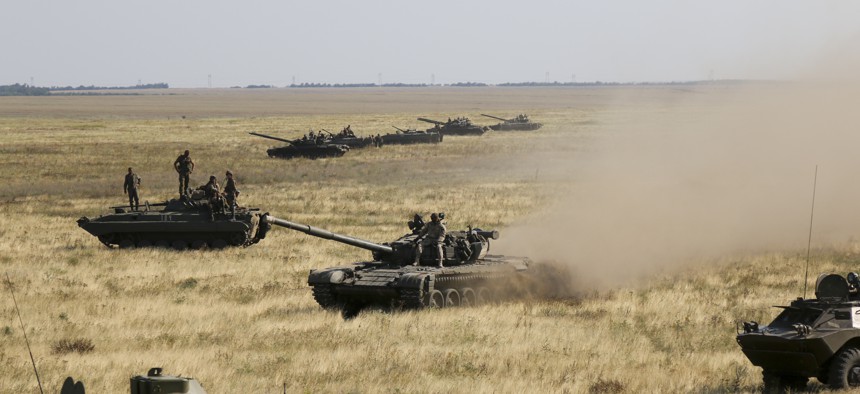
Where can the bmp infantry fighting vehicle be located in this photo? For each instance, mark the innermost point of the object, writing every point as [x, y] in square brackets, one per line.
[817, 338]
[153, 383]
[412, 136]
[181, 223]
[469, 276]
[309, 148]
[520, 122]
[457, 126]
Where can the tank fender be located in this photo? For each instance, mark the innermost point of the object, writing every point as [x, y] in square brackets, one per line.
[330, 275]
[416, 280]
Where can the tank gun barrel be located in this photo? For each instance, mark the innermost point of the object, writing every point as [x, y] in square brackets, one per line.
[495, 117]
[325, 234]
[272, 138]
[399, 129]
[431, 121]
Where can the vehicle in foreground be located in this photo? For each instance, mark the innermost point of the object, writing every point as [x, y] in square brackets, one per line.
[412, 136]
[456, 126]
[179, 223]
[469, 276]
[811, 338]
[306, 148]
[520, 122]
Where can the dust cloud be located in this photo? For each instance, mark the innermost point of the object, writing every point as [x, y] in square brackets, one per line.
[718, 173]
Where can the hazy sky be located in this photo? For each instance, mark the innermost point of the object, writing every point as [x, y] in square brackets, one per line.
[181, 42]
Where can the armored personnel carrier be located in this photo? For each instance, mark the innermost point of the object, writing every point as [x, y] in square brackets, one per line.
[470, 276]
[456, 126]
[810, 338]
[308, 148]
[155, 382]
[520, 122]
[412, 136]
[180, 223]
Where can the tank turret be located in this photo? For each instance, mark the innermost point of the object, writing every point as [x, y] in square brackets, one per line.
[520, 122]
[456, 126]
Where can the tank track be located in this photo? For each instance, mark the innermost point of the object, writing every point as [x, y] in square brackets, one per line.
[411, 299]
[324, 297]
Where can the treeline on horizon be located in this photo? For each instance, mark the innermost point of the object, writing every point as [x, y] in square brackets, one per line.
[19, 89]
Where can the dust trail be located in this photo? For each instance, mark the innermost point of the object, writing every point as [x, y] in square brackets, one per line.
[716, 175]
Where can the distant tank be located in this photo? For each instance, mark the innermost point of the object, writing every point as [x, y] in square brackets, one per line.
[412, 136]
[181, 223]
[810, 338]
[520, 122]
[311, 149]
[348, 138]
[456, 126]
[470, 275]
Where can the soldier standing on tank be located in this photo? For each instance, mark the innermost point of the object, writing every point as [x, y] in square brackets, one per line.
[132, 183]
[184, 166]
[230, 192]
[431, 235]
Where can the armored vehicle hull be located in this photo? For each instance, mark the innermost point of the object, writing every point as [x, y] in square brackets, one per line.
[412, 137]
[458, 126]
[377, 283]
[816, 338]
[352, 142]
[183, 223]
[519, 123]
[308, 151]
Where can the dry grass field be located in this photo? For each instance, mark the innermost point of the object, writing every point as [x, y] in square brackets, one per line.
[244, 321]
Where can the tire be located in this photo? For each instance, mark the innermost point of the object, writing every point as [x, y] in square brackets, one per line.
[469, 298]
[845, 369]
[452, 298]
[776, 383]
[436, 299]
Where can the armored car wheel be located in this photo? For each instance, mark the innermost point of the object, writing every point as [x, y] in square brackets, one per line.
[845, 369]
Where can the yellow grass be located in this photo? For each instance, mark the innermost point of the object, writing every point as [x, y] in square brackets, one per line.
[243, 320]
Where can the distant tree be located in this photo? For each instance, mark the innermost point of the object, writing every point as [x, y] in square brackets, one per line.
[23, 90]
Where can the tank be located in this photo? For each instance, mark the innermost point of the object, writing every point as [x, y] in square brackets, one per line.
[412, 136]
[311, 149]
[456, 126]
[179, 223]
[469, 276]
[157, 383]
[810, 338]
[348, 138]
[520, 122]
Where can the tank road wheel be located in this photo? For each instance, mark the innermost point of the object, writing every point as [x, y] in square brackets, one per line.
[469, 298]
[845, 369]
[323, 296]
[777, 383]
[484, 296]
[436, 299]
[237, 239]
[162, 243]
[219, 244]
[107, 239]
[350, 310]
[144, 243]
[179, 245]
[126, 243]
[198, 244]
[452, 298]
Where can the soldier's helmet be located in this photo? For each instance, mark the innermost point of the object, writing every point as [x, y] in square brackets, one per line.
[441, 215]
[853, 279]
[434, 217]
[129, 169]
[187, 152]
[229, 173]
[212, 177]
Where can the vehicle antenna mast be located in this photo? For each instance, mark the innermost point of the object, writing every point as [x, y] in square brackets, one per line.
[809, 241]
[39, 381]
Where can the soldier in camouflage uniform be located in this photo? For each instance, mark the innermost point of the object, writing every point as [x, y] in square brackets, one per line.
[431, 235]
[184, 166]
[230, 192]
[132, 182]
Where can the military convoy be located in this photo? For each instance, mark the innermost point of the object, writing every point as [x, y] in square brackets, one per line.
[456, 126]
[520, 122]
[180, 223]
[811, 338]
[307, 148]
[469, 276]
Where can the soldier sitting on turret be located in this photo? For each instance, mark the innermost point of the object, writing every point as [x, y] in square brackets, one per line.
[213, 194]
[431, 235]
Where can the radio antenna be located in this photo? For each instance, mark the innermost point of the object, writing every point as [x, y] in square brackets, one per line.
[809, 241]
[24, 330]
